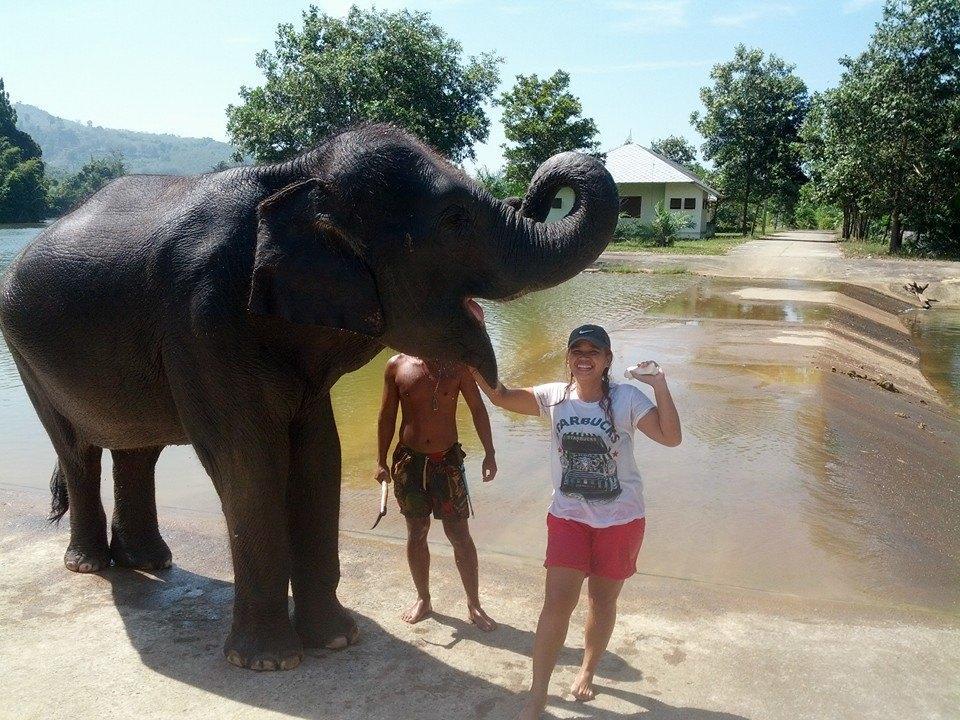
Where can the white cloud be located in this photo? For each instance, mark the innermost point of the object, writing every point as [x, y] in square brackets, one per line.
[641, 65]
[746, 14]
[650, 15]
[852, 6]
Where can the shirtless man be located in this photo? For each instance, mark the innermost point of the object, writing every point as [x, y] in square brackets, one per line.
[427, 468]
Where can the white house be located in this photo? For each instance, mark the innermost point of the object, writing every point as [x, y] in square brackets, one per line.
[645, 178]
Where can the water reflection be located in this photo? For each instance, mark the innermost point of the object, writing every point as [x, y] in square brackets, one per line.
[937, 334]
[716, 299]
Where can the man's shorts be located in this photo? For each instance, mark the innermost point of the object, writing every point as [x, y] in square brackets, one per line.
[435, 482]
[609, 552]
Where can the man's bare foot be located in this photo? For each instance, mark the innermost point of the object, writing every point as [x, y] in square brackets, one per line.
[478, 617]
[418, 611]
[531, 711]
[582, 687]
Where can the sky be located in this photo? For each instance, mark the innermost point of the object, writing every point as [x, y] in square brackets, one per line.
[636, 65]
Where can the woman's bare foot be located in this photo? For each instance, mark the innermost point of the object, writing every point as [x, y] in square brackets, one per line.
[582, 687]
[532, 710]
[478, 617]
[418, 611]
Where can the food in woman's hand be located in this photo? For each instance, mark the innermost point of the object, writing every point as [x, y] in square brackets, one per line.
[645, 368]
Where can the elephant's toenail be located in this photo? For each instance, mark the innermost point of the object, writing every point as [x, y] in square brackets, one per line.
[290, 663]
[85, 567]
[338, 643]
[233, 657]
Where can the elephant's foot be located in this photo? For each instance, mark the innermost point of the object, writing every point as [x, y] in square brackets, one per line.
[264, 648]
[333, 629]
[140, 551]
[86, 557]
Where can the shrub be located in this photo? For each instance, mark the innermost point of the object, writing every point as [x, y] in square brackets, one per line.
[666, 225]
[631, 230]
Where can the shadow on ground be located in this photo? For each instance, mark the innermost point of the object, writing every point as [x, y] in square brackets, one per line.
[176, 620]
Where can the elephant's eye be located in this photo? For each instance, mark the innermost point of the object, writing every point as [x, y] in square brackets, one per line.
[454, 216]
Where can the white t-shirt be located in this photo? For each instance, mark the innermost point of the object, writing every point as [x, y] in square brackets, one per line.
[594, 473]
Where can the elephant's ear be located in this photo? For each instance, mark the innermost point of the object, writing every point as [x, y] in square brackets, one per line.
[306, 270]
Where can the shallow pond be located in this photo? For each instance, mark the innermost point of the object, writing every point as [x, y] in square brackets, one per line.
[773, 488]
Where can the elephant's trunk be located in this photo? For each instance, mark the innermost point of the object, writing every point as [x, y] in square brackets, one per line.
[532, 254]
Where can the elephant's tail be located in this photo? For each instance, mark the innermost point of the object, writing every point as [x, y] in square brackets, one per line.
[60, 501]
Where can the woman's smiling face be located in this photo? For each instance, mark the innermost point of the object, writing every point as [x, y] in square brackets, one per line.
[587, 362]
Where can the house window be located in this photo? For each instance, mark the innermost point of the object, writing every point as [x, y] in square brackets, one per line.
[689, 203]
[675, 203]
[557, 203]
[630, 206]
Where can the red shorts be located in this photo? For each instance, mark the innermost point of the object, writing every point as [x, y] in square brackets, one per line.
[609, 552]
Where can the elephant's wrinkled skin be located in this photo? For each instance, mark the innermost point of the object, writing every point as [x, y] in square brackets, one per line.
[219, 310]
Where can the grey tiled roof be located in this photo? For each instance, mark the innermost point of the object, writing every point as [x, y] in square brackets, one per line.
[631, 163]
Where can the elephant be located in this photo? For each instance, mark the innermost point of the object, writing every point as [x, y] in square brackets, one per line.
[218, 311]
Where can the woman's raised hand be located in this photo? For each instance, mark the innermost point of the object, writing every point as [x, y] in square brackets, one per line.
[648, 372]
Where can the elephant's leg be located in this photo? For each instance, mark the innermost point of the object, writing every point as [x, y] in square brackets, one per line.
[314, 513]
[252, 484]
[77, 475]
[239, 427]
[248, 466]
[79, 468]
[135, 536]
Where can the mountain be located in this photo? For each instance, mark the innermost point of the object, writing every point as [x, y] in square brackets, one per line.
[67, 145]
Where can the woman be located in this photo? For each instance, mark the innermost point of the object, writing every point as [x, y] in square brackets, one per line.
[596, 519]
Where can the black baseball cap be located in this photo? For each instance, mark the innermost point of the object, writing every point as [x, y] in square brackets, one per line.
[591, 333]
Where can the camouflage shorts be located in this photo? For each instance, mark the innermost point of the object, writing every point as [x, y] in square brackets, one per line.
[431, 483]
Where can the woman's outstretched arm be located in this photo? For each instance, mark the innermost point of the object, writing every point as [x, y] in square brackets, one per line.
[518, 400]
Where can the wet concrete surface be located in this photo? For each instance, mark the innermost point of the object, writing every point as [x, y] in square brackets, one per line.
[810, 257]
[123, 644]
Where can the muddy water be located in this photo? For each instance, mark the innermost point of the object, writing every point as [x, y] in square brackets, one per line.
[937, 334]
[782, 483]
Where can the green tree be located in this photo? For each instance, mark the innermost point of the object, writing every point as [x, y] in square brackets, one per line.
[751, 122]
[542, 118]
[885, 143]
[497, 184]
[676, 148]
[23, 193]
[22, 182]
[374, 65]
[9, 131]
[75, 189]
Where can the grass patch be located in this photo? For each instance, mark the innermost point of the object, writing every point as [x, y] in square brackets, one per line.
[866, 248]
[881, 249]
[719, 244]
[626, 269]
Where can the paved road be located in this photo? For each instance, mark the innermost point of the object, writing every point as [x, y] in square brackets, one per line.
[790, 244]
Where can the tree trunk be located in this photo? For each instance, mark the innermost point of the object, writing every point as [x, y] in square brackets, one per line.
[845, 232]
[896, 232]
[746, 203]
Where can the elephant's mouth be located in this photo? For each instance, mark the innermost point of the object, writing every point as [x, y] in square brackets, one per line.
[474, 310]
